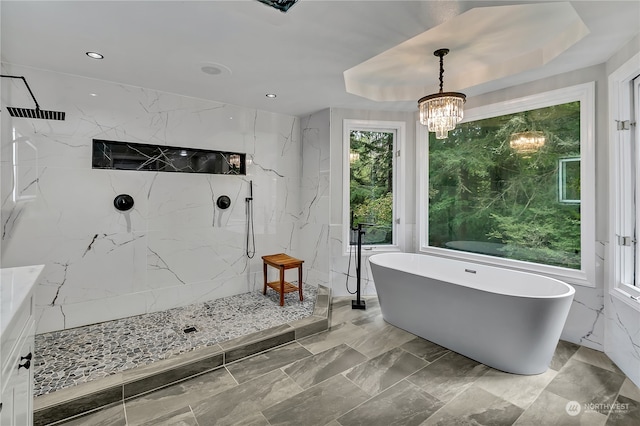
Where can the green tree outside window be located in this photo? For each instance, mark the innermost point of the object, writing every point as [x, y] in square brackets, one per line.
[489, 195]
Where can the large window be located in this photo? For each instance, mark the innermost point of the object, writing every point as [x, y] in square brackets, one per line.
[371, 181]
[513, 185]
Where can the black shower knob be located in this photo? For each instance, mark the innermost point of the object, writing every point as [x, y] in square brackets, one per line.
[223, 202]
[123, 202]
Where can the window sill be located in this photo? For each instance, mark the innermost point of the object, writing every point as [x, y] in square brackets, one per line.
[626, 297]
[570, 276]
[370, 251]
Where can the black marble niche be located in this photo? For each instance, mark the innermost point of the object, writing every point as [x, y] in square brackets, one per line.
[157, 158]
[281, 5]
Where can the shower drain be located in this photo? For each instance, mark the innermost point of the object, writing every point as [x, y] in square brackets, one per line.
[190, 330]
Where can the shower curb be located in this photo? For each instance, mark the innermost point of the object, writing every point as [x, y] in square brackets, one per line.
[96, 394]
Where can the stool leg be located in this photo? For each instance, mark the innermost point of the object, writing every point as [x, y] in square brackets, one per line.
[281, 286]
[264, 270]
[300, 281]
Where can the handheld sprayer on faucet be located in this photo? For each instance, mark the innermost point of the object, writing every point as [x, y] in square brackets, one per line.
[359, 303]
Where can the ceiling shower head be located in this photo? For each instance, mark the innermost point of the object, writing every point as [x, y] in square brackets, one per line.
[33, 113]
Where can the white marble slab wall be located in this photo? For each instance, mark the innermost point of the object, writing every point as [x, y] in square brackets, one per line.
[175, 246]
[623, 337]
[315, 198]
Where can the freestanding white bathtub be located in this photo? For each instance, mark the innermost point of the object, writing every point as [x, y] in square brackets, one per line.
[506, 319]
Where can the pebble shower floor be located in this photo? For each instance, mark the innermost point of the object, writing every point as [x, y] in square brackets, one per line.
[69, 357]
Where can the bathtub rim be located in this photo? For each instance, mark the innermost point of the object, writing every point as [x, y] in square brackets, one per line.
[569, 293]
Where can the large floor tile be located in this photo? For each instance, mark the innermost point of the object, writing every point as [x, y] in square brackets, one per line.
[402, 404]
[586, 383]
[168, 400]
[448, 376]
[517, 389]
[597, 358]
[424, 349]
[317, 405]
[551, 409]
[385, 370]
[234, 406]
[182, 417]
[630, 390]
[337, 335]
[111, 416]
[257, 365]
[317, 368]
[162, 378]
[476, 407]
[626, 412]
[379, 338]
[342, 312]
[564, 351]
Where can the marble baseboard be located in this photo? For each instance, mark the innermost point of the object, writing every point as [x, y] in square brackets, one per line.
[86, 397]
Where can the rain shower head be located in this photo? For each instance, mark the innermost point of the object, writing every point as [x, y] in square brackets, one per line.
[30, 112]
[35, 113]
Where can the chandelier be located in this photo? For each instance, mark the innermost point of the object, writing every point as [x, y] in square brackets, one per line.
[441, 111]
[527, 142]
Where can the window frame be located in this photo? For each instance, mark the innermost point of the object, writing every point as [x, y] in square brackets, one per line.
[585, 93]
[399, 130]
[562, 180]
[621, 85]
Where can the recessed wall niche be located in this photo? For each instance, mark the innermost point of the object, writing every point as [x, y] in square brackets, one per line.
[116, 155]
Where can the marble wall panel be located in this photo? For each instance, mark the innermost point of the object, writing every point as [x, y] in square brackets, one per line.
[623, 337]
[181, 256]
[175, 246]
[315, 198]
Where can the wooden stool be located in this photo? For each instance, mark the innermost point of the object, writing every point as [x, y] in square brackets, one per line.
[282, 262]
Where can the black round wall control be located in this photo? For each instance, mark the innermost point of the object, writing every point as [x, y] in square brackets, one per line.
[223, 202]
[123, 202]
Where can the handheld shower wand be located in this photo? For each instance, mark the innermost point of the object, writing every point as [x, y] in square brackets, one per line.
[251, 241]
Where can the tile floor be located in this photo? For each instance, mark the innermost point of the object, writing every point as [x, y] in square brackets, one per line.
[70, 357]
[364, 371]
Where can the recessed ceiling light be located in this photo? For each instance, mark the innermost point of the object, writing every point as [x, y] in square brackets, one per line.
[213, 68]
[94, 55]
[93, 94]
[270, 95]
[209, 69]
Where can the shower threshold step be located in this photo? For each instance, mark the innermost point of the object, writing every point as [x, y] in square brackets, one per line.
[86, 397]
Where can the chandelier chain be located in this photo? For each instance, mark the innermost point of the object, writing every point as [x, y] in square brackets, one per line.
[441, 72]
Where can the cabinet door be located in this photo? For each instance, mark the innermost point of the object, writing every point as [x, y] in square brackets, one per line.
[17, 392]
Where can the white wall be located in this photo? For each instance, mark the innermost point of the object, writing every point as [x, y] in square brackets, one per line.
[314, 197]
[175, 247]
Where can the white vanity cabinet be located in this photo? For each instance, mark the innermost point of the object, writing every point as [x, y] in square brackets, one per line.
[17, 344]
